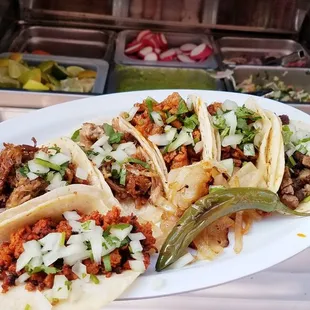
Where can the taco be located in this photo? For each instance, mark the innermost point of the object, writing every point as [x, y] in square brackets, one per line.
[181, 142]
[31, 171]
[295, 186]
[244, 135]
[122, 165]
[71, 252]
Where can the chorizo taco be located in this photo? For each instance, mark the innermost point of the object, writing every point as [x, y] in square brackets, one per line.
[71, 252]
[295, 186]
[122, 165]
[179, 139]
[244, 137]
[30, 171]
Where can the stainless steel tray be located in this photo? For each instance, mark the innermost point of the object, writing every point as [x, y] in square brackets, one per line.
[174, 40]
[63, 41]
[299, 77]
[256, 47]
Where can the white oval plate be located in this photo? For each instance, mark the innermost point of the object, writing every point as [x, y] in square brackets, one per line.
[269, 242]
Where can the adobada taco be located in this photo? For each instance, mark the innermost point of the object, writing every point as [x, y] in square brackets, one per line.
[29, 171]
[181, 142]
[122, 165]
[295, 187]
[71, 252]
[243, 136]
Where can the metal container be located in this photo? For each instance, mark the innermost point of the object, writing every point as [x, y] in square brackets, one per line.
[299, 77]
[98, 65]
[175, 40]
[130, 78]
[231, 47]
[73, 42]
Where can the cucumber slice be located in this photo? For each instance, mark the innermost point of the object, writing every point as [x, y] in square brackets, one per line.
[59, 72]
[46, 66]
[34, 74]
[52, 80]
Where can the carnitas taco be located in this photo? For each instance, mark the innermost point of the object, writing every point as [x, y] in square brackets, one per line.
[30, 171]
[182, 143]
[244, 136]
[71, 252]
[295, 187]
[122, 165]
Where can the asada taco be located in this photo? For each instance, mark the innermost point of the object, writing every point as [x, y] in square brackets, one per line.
[71, 252]
[30, 171]
[295, 186]
[122, 165]
[244, 137]
[182, 143]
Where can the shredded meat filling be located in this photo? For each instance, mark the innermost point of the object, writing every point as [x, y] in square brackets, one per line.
[10, 251]
[90, 133]
[237, 155]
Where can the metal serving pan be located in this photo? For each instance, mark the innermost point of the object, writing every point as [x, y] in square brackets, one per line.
[98, 65]
[130, 78]
[299, 77]
[174, 40]
[63, 41]
[256, 47]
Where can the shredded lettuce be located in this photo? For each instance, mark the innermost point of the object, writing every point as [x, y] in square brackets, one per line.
[243, 112]
[219, 122]
[287, 134]
[191, 122]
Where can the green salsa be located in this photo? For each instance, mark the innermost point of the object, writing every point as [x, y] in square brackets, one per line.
[130, 78]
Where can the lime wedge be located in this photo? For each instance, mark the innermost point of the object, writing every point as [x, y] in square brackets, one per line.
[7, 82]
[4, 71]
[34, 74]
[46, 66]
[34, 85]
[16, 69]
[74, 70]
[52, 80]
[87, 74]
[4, 62]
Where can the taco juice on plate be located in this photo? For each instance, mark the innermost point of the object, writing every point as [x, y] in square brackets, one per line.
[71, 252]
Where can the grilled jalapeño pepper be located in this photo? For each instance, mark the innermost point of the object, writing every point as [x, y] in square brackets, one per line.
[209, 209]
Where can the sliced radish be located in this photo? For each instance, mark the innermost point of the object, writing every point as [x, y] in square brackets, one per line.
[142, 34]
[157, 51]
[151, 57]
[188, 47]
[162, 40]
[202, 51]
[185, 58]
[178, 51]
[149, 40]
[146, 50]
[168, 55]
[134, 42]
[133, 49]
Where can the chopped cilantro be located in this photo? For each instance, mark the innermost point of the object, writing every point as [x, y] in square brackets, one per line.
[122, 176]
[125, 241]
[243, 112]
[114, 137]
[171, 119]
[242, 124]
[191, 122]
[304, 140]
[120, 226]
[107, 263]
[219, 121]
[76, 136]
[69, 285]
[139, 162]
[115, 174]
[24, 170]
[292, 161]
[94, 279]
[55, 148]
[182, 108]
[48, 270]
[149, 103]
[225, 132]
[248, 136]
[85, 225]
[63, 239]
[287, 134]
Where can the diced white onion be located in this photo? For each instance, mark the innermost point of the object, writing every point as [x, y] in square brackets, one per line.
[32, 176]
[23, 260]
[229, 105]
[72, 259]
[60, 289]
[198, 147]
[36, 261]
[57, 178]
[290, 152]
[249, 149]
[71, 215]
[182, 261]
[51, 257]
[231, 121]
[80, 270]
[161, 140]
[96, 243]
[59, 159]
[136, 246]
[136, 236]
[53, 186]
[72, 249]
[171, 134]
[167, 128]
[81, 173]
[42, 155]
[97, 160]
[228, 164]
[132, 113]
[101, 141]
[50, 241]
[232, 140]
[76, 226]
[137, 265]
[157, 118]
[99, 150]
[31, 249]
[116, 166]
[36, 168]
[22, 278]
[119, 155]
[107, 148]
[107, 248]
[121, 234]
[183, 138]
[42, 300]
[191, 99]
[129, 148]
[138, 256]
[75, 239]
